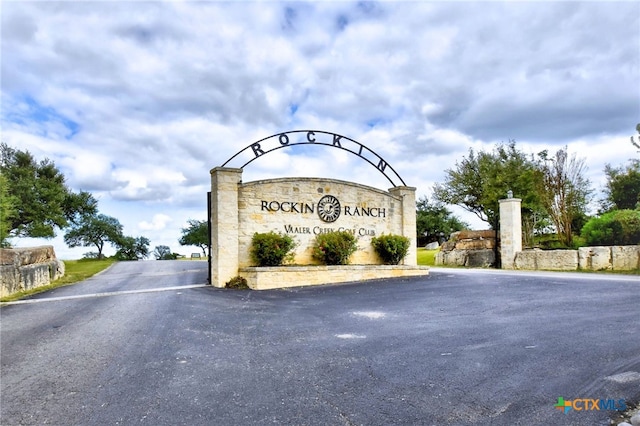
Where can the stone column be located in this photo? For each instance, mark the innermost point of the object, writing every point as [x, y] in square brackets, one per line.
[408, 209]
[510, 231]
[224, 224]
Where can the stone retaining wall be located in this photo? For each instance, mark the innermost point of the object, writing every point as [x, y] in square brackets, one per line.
[615, 258]
[272, 277]
[26, 268]
[475, 249]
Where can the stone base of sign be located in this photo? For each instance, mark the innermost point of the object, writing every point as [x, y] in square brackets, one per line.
[273, 277]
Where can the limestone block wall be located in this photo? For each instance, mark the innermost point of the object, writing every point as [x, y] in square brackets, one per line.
[26, 268]
[594, 258]
[615, 258]
[551, 260]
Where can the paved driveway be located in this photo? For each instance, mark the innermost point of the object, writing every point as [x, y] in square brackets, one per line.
[146, 344]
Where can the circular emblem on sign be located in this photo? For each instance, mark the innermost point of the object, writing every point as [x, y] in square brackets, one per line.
[329, 208]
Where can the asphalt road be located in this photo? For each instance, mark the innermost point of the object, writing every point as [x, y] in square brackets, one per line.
[143, 343]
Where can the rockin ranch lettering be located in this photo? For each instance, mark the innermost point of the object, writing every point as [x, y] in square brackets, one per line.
[365, 211]
[306, 208]
[287, 207]
[318, 138]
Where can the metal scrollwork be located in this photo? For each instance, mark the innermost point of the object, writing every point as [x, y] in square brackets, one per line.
[315, 137]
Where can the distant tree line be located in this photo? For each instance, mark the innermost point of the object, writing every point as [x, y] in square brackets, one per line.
[36, 202]
[555, 195]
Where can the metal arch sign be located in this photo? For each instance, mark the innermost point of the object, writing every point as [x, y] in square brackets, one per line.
[316, 137]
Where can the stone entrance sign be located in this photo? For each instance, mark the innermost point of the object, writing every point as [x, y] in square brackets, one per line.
[304, 208]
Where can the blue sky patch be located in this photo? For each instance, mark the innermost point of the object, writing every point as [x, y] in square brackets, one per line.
[41, 116]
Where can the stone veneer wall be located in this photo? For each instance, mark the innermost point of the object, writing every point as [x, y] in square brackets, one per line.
[266, 278]
[27, 268]
[614, 258]
[239, 211]
[304, 227]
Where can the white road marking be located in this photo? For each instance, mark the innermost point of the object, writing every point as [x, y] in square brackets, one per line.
[370, 314]
[350, 336]
[626, 377]
[113, 293]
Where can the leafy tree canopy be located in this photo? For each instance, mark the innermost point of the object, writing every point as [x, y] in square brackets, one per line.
[481, 179]
[434, 219]
[564, 191]
[40, 200]
[196, 234]
[634, 143]
[618, 227]
[164, 253]
[7, 211]
[130, 248]
[94, 230]
[622, 190]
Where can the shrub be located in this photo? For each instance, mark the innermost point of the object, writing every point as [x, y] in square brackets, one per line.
[237, 282]
[271, 249]
[619, 227]
[334, 248]
[391, 248]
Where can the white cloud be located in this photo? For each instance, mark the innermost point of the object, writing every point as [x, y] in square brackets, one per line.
[137, 101]
[158, 223]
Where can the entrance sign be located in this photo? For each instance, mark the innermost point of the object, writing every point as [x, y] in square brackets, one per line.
[314, 137]
[304, 208]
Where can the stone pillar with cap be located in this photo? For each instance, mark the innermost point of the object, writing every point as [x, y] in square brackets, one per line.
[224, 224]
[510, 230]
[408, 196]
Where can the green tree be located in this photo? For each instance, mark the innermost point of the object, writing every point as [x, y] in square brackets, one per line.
[481, 179]
[435, 221]
[130, 248]
[7, 211]
[196, 234]
[94, 230]
[164, 253]
[564, 191]
[634, 143]
[618, 227]
[42, 201]
[622, 190]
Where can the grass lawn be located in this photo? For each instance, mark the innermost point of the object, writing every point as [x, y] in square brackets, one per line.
[427, 257]
[75, 270]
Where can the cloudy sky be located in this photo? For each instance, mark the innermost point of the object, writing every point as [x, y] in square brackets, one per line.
[137, 101]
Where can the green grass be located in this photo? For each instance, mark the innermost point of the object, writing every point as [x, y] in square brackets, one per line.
[75, 270]
[427, 257]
